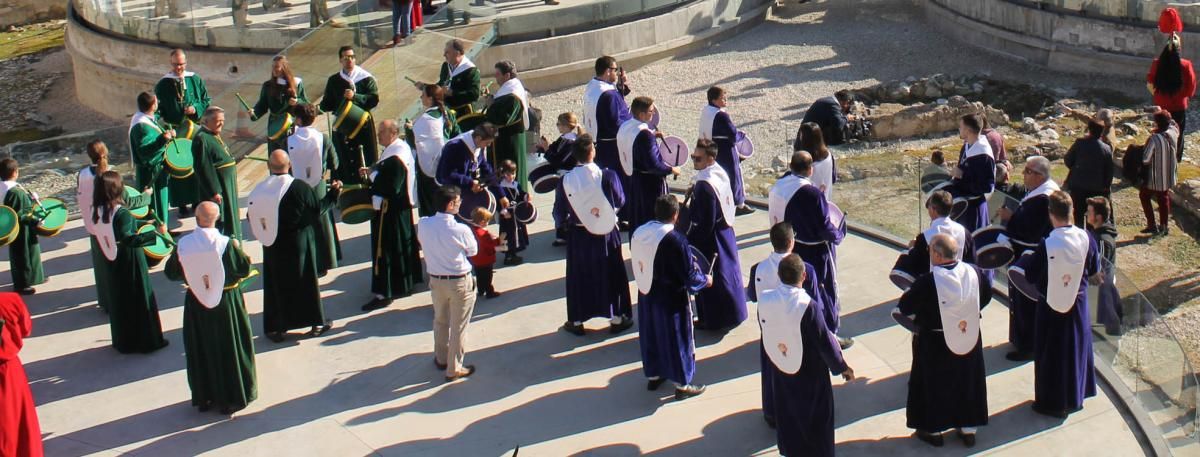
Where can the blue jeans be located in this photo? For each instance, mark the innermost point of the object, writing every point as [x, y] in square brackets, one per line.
[401, 17]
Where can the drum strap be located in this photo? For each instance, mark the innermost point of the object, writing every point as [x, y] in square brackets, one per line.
[379, 239]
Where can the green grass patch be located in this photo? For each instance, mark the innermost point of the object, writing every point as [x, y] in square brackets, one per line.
[31, 39]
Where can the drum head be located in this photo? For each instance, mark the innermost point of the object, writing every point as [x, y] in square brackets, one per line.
[56, 217]
[674, 151]
[525, 212]
[139, 213]
[654, 120]
[930, 182]
[958, 207]
[8, 225]
[157, 251]
[544, 178]
[178, 157]
[473, 200]
[699, 260]
[743, 146]
[354, 201]
[837, 217]
[1016, 278]
[901, 274]
[990, 252]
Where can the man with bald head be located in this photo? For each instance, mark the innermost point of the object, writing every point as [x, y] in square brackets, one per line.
[947, 386]
[284, 215]
[216, 171]
[395, 254]
[216, 329]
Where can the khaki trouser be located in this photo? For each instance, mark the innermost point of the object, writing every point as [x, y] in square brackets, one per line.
[453, 303]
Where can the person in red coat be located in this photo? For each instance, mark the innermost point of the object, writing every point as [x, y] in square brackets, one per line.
[483, 262]
[1171, 78]
[20, 435]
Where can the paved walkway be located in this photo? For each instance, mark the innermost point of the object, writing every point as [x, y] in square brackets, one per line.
[369, 388]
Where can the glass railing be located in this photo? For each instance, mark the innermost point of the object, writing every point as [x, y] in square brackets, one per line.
[312, 53]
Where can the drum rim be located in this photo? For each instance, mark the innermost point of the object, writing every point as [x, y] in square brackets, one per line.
[147, 248]
[63, 206]
[287, 124]
[16, 229]
[544, 178]
[532, 217]
[357, 208]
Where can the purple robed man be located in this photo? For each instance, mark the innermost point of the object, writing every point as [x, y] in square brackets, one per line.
[796, 200]
[802, 353]
[710, 230]
[604, 110]
[947, 385]
[666, 273]
[975, 176]
[1054, 275]
[463, 163]
[1025, 228]
[646, 172]
[716, 125]
[587, 200]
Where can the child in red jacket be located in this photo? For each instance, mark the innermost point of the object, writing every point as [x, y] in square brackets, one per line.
[485, 258]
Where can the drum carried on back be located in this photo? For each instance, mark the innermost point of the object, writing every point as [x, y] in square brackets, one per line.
[139, 213]
[53, 216]
[350, 119]
[9, 226]
[354, 201]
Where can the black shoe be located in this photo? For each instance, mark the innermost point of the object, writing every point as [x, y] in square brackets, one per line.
[511, 260]
[440, 366]
[1150, 230]
[743, 210]
[626, 322]
[845, 343]
[933, 440]
[1018, 356]
[559, 242]
[1058, 414]
[229, 410]
[654, 384]
[689, 391]
[463, 374]
[770, 421]
[491, 294]
[275, 336]
[27, 291]
[1164, 231]
[204, 408]
[968, 439]
[319, 330]
[574, 329]
[376, 303]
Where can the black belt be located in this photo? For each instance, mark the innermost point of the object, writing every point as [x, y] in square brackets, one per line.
[448, 277]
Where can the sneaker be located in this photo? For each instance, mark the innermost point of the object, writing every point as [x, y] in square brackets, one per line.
[689, 391]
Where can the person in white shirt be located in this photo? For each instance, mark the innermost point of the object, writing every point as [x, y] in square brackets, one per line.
[447, 244]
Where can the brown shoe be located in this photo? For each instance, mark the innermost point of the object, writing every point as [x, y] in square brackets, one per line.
[462, 374]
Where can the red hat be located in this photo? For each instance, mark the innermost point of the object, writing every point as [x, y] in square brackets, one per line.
[1169, 21]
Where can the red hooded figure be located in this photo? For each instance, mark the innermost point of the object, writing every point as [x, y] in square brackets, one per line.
[20, 435]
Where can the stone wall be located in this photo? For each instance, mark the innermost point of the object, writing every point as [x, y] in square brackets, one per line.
[21, 12]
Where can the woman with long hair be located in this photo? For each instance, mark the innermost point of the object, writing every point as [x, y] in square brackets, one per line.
[824, 169]
[428, 133]
[558, 155]
[278, 95]
[1173, 82]
[133, 313]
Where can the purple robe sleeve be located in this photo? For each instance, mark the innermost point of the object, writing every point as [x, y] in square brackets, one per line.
[674, 267]
[830, 232]
[646, 158]
[723, 127]
[452, 168]
[702, 212]
[826, 341]
[612, 189]
[562, 210]
[611, 112]
[978, 176]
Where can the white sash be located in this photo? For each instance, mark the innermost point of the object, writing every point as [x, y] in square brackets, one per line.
[949, 227]
[584, 186]
[514, 87]
[1066, 253]
[1046, 188]
[306, 150]
[263, 207]
[591, 102]
[429, 137]
[643, 248]
[823, 175]
[356, 75]
[283, 81]
[465, 65]
[200, 253]
[172, 75]
[143, 118]
[400, 149]
[105, 236]
[781, 194]
[981, 147]
[5, 186]
[780, 312]
[958, 303]
[707, 116]
[85, 186]
[716, 177]
[766, 274]
[626, 137]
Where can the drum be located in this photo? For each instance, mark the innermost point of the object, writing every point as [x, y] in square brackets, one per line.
[279, 126]
[959, 206]
[999, 200]
[902, 273]
[837, 217]
[992, 248]
[472, 200]
[139, 213]
[178, 158]
[155, 253]
[743, 145]
[186, 130]
[354, 201]
[684, 221]
[545, 178]
[930, 182]
[468, 122]
[1016, 278]
[700, 261]
[656, 118]
[675, 151]
[55, 217]
[350, 119]
[9, 228]
[525, 212]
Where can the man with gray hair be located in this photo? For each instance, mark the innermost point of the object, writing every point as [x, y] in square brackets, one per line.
[284, 213]
[947, 386]
[1025, 228]
[216, 171]
[508, 110]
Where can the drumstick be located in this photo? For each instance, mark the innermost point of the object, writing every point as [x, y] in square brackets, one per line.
[410, 79]
[260, 159]
[716, 255]
[244, 104]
